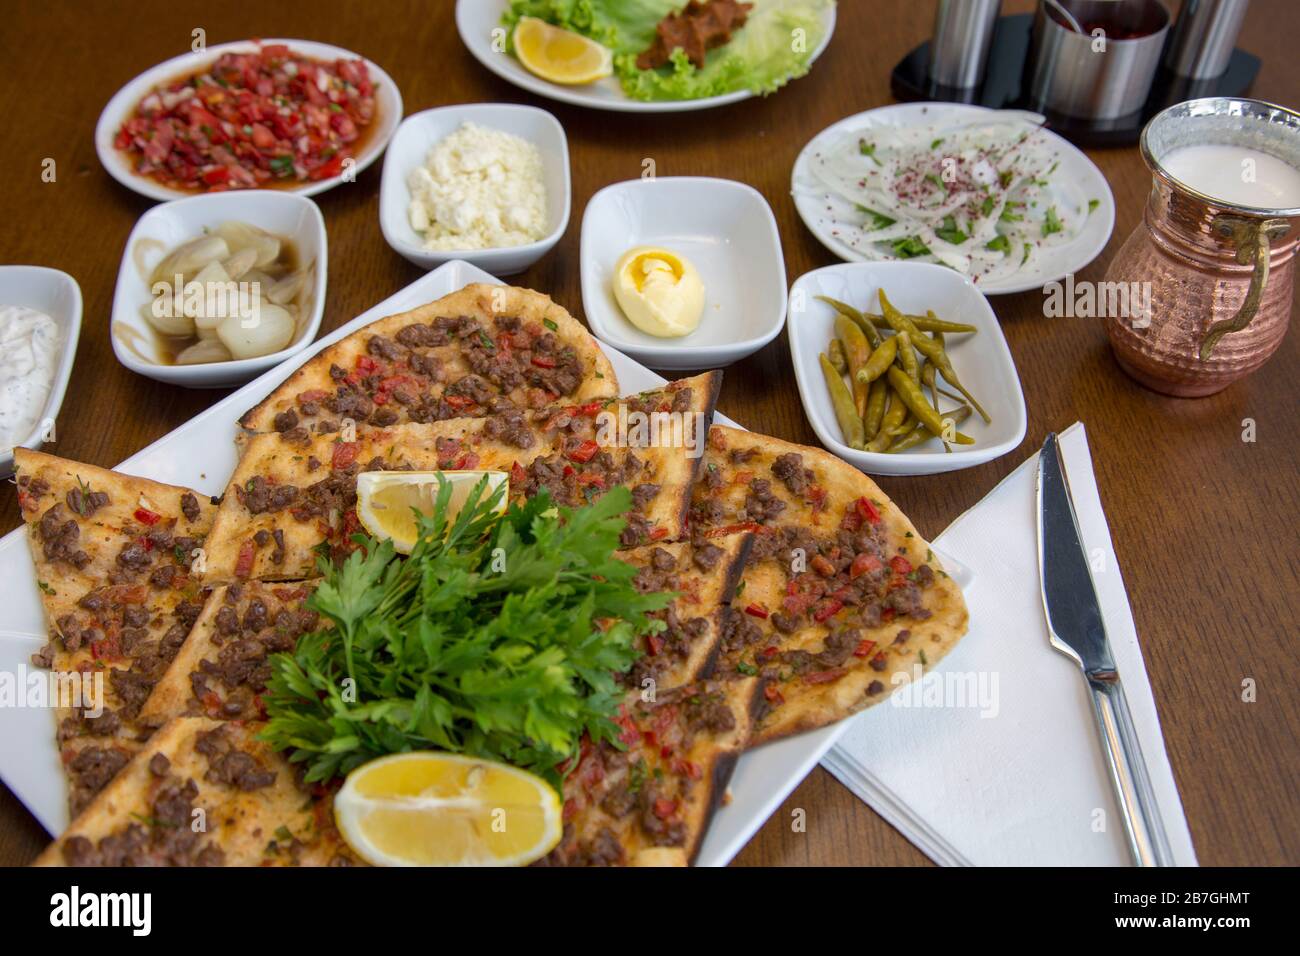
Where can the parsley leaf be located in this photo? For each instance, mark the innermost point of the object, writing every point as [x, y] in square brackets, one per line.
[1052, 224]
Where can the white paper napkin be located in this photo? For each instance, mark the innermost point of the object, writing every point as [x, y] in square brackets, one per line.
[993, 759]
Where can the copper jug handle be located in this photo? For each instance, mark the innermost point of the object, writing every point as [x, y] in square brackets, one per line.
[1252, 238]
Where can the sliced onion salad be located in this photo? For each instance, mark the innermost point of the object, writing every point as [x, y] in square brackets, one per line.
[980, 197]
[233, 255]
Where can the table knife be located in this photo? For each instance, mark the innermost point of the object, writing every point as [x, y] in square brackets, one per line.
[1076, 628]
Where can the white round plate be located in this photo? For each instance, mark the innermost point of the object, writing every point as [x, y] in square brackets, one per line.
[1050, 264]
[476, 19]
[388, 102]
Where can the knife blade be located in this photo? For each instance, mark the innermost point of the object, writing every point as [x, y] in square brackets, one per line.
[1077, 629]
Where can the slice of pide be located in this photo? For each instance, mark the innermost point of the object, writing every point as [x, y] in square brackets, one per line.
[447, 359]
[113, 555]
[704, 577]
[652, 442]
[293, 497]
[89, 527]
[650, 804]
[222, 668]
[203, 793]
[841, 596]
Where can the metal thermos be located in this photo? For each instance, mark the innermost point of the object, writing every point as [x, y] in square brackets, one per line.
[1204, 37]
[963, 33]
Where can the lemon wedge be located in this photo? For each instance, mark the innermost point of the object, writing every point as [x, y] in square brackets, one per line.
[430, 808]
[560, 56]
[387, 500]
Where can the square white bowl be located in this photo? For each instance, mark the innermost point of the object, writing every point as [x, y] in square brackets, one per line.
[725, 228]
[167, 226]
[57, 295]
[982, 359]
[410, 147]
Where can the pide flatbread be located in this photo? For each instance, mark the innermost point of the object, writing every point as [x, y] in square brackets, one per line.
[801, 593]
[293, 497]
[842, 598]
[203, 793]
[650, 804]
[113, 555]
[449, 359]
[704, 578]
[222, 669]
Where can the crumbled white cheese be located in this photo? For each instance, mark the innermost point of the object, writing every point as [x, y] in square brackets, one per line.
[479, 189]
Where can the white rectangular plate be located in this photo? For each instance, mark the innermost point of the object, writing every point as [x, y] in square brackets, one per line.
[201, 455]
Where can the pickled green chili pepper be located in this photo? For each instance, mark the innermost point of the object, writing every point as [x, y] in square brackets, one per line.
[842, 401]
[910, 395]
[927, 378]
[931, 349]
[843, 308]
[894, 415]
[921, 434]
[907, 356]
[926, 323]
[875, 408]
[856, 353]
[905, 426]
[835, 352]
[879, 362]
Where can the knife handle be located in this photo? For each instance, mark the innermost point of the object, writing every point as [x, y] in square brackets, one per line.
[1147, 839]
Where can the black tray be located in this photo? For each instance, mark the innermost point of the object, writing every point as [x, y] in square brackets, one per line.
[1005, 78]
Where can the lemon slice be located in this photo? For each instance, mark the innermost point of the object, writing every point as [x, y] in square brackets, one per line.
[560, 56]
[440, 809]
[385, 500]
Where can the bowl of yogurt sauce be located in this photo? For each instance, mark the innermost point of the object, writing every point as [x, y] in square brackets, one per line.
[40, 323]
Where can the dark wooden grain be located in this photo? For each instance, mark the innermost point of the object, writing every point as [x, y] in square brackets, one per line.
[1204, 524]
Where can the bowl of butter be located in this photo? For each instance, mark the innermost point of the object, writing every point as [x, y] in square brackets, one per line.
[682, 273]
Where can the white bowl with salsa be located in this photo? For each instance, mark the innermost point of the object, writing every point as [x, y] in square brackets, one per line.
[225, 135]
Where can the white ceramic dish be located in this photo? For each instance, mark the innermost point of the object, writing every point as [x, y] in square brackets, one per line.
[57, 295]
[387, 97]
[479, 20]
[410, 147]
[201, 454]
[725, 228]
[1049, 265]
[981, 359]
[167, 226]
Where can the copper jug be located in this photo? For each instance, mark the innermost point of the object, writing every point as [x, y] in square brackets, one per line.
[1220, 276]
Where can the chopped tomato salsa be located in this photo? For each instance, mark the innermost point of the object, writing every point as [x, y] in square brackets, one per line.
[250, 120]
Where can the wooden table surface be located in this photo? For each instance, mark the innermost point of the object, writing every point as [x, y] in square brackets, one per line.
[1204, 524]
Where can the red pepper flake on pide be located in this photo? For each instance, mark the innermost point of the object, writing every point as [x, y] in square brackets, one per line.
[266, 117]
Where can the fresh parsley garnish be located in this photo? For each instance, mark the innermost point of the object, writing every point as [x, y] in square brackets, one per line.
[1052, 224]
[875, 220]
[499, 636]
[909, 247]
[999, 244]
[949, 231]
